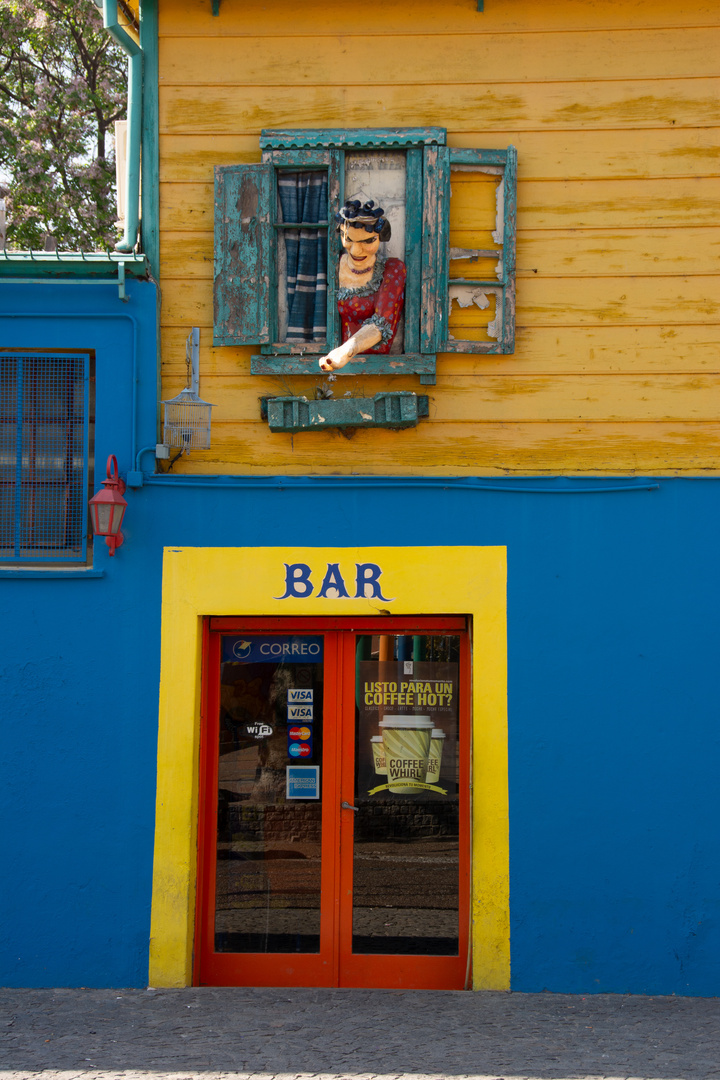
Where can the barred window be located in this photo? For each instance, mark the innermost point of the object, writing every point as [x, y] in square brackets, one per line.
[44, 435]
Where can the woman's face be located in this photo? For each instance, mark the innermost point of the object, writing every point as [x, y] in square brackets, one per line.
[362, 247]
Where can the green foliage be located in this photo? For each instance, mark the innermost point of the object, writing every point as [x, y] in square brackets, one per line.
[62, 86]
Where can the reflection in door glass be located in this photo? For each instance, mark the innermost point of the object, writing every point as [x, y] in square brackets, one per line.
[406, 850]
[269, 811]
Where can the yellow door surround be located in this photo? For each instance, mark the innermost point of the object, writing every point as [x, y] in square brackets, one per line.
[198, 582]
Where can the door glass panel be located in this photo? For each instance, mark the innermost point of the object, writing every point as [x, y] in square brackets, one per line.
[269, 810]
[406, 842]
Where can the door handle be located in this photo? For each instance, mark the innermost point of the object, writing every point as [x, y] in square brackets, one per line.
[345, 805]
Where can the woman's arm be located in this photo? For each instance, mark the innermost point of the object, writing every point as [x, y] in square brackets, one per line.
[364, 339]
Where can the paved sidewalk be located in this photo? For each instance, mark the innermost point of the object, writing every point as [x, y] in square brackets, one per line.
[354, 1035]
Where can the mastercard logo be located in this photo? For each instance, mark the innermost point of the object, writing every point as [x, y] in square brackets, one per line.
[302, 733]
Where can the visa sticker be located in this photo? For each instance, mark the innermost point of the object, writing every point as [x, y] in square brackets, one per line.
[300, 712]
[299, 695]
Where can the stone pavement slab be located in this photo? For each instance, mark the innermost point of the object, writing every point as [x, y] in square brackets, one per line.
[278, 1034]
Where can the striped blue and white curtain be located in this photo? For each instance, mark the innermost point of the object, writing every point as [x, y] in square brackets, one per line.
[304, 200]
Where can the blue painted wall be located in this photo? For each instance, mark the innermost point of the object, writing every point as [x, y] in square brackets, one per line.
[78, 673]
[614, 733]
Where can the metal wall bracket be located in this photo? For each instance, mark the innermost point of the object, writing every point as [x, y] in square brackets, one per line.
[398, 409]
[192, 359]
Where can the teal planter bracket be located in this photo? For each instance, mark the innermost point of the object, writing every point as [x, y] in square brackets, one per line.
[398, 409]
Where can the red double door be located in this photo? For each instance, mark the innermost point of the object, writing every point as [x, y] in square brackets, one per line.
[335, 796]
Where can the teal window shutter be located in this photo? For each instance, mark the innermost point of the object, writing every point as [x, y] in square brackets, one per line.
[243, 272]
[434, 230]
[472, 248]
[413, 248]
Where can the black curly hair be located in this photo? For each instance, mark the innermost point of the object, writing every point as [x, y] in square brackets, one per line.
[365, 216]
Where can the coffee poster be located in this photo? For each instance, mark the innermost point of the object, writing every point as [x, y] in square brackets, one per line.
[408, 724]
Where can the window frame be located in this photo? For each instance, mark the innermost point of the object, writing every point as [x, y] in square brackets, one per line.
[436, 329]
[253, 273]
[81, 526]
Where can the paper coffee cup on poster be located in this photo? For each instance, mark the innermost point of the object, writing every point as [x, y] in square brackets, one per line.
[437, 737]
[378, 752]
[406, 740]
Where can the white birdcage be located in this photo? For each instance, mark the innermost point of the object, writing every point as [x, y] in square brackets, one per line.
[186, 422]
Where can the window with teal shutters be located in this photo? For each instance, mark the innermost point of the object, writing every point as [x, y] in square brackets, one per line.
[276, 277]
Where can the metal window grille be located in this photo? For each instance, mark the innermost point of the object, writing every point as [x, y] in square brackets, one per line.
[43, 457]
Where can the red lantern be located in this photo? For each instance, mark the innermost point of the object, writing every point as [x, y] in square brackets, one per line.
[108, 506]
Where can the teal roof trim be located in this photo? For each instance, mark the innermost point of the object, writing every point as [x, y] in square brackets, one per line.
[70, 264]
[371, 137]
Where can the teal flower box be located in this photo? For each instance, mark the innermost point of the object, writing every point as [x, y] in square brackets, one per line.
[397, 409]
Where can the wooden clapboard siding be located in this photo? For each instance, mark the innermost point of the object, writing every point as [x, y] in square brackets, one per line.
[602, 350]
[614, 111]
[546, 155]
[284, 17]
[477, 449]
[634, 103]
[455, 58]
[506, 398]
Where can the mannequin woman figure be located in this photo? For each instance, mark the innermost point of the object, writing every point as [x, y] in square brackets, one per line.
[371, 291]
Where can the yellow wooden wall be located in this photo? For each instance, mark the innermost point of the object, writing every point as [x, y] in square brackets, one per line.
[614, 110]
